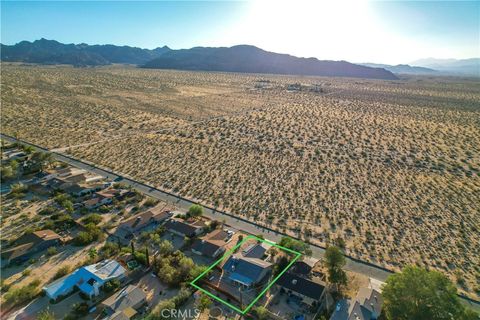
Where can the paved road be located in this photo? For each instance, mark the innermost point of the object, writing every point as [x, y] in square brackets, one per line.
[365, 268]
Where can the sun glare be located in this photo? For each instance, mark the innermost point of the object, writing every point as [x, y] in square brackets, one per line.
[337, 30]
[308, 27]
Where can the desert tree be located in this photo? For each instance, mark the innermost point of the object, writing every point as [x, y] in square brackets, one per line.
[334, 262]
[416, 293]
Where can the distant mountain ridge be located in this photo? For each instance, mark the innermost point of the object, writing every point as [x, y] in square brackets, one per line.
[53, 52]
[452, 66]
[250, 59]
[241, 58]
[401, 68]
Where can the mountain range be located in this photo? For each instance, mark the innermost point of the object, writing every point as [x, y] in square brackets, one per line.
[452, 66]
[401, 68]
[53, 52]
[250, 59]
[242, 58]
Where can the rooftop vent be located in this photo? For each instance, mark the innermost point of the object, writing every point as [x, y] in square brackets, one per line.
[294, 281]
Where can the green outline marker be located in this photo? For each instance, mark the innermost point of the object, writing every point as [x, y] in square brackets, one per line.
[243, 312]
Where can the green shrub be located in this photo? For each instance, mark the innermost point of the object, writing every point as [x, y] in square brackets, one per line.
[80, 309]
[16, 296]
[52, 251]
[195, 211]
[94, 218]
[111, 285]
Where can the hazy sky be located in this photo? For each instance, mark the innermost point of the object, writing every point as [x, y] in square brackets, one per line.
[356, 30]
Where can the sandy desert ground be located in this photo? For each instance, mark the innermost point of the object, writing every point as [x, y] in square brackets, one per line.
[390, 167]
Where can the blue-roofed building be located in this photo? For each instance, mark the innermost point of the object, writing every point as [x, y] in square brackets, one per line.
[88, 279]
[246, 271]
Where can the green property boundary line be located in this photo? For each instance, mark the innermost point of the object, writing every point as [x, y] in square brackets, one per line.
[230, 252]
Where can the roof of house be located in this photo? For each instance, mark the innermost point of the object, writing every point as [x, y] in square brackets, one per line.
[56, 183]
[206, 247]
[109, 193]
[366, 305]
[122, 315]
[91, 202]
[106, 269]
[37, 237]
[304, 266]
[210, 243]
[256, 250]
[26, 242]
[301, 285]
[17, 251]
[217, 235]
[183, 226]
[101, 271]
[69, 171]
[45, 235]
[144, 218]
[130, 296]
[245, 270]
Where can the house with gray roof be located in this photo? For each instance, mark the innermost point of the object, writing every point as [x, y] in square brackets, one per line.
[309, 292]
[367, 305]
[185, 228]
[211, 245]
[149, 219]
[246, 271]
[256, 250]
[29, 244]
[129, 297]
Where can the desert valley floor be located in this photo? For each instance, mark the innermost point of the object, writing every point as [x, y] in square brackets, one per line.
[389, 168]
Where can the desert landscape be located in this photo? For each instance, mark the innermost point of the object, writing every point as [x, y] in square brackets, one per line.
[387, 169]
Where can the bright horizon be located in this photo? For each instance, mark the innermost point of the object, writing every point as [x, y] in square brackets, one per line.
[357, 31]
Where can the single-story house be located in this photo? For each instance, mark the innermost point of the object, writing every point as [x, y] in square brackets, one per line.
[29, 244]
[97, 201]
[79, 190]
[185, 228]
[211, 245]
[110, 193]
[256, 250]
[72, 175]
[304, 267]
[68, 171]
[88, 279]
[104, 197]
[129, 297]
[245, 271]
[127, 230]
[367, 305]
[310, 292]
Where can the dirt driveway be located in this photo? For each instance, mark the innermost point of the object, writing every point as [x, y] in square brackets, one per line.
[155, 290]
